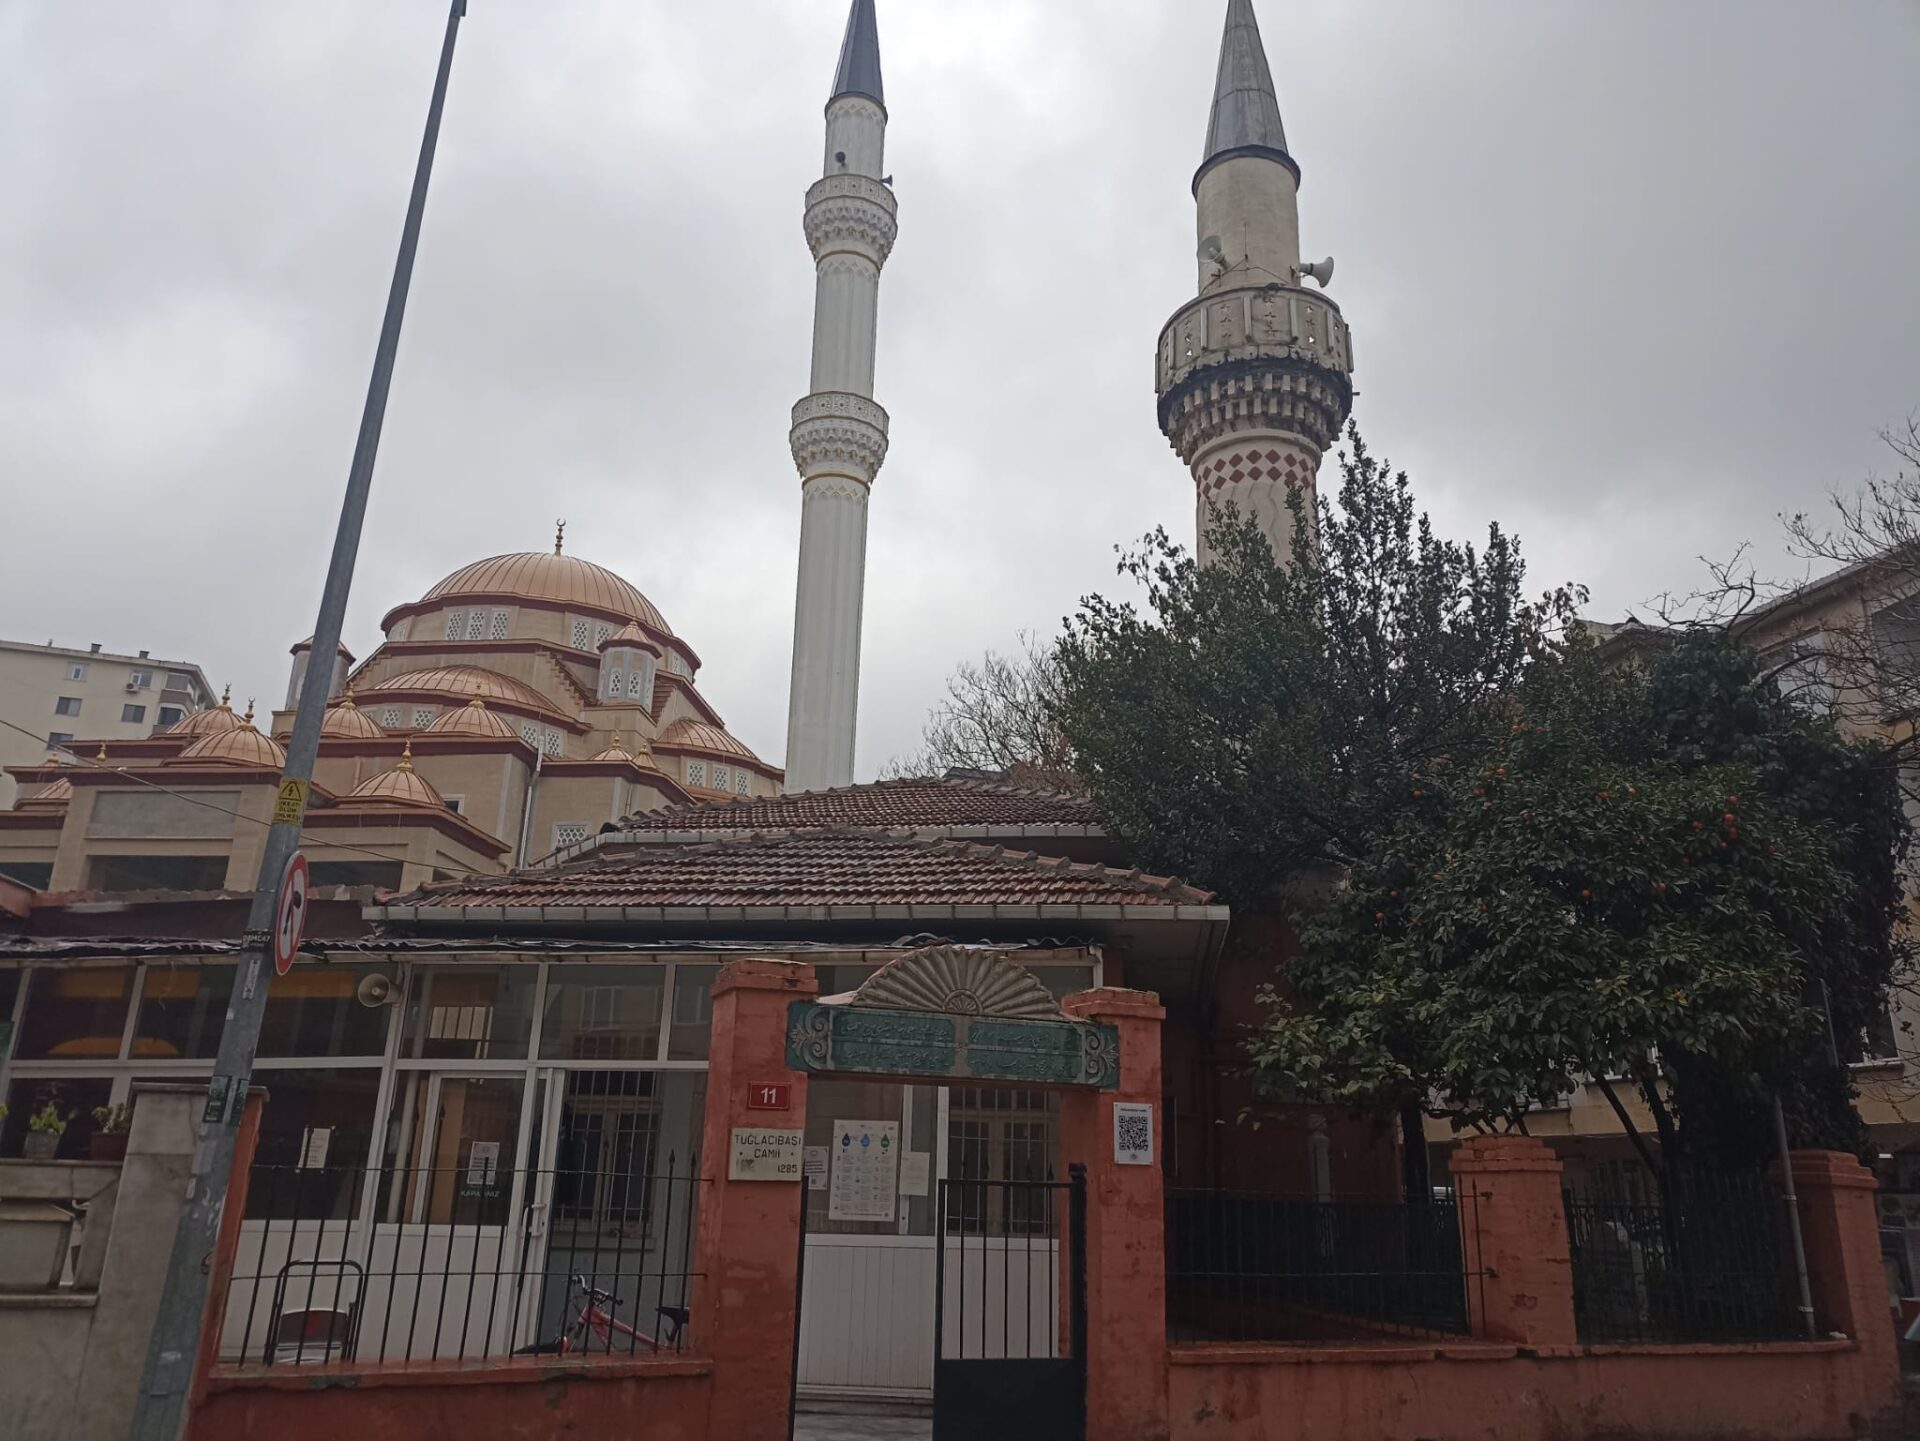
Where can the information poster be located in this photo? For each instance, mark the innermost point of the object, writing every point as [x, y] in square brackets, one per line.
[914, 1169]
[866, 1163]
[815, 1162]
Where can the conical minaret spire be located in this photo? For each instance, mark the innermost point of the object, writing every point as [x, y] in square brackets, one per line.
[839, 435]
[1254, 376]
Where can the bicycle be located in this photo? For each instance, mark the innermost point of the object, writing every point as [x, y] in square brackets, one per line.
[596, 1322]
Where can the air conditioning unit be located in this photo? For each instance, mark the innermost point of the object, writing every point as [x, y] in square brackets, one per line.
[133, 687]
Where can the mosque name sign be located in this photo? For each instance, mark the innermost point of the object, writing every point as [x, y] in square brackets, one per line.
[877, 1041]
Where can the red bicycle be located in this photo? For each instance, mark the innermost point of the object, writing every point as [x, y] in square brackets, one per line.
[595, 1328]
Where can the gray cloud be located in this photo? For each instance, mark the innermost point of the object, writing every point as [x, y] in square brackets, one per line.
[1630, 279]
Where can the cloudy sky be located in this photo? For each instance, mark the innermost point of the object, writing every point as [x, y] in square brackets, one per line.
[1630, 278]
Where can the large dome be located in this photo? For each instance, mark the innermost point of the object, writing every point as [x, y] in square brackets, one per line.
[545, 575]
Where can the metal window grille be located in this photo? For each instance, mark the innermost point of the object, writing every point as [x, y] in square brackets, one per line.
[553, 743]
[616, 682]
[471, 1272]
[499, 625]
[581, 633]
[569, 833]
[390, 717]
[455, 625]
[1705, 1259]
[720, 778]
[1244, 1266]
[696, 773]
[740, 780]
[601, 632]
[476, 625]
[422, 717]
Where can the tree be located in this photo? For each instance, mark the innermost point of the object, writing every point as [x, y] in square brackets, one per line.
[999, 716]
[1257, 725]
[1657, 877]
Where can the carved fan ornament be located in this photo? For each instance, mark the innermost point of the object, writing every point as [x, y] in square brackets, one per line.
[959, 983]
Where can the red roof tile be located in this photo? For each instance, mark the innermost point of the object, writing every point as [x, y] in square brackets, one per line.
[819, 868]
[921, 804]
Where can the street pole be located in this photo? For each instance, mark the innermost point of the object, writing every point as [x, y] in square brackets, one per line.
[161, 1411]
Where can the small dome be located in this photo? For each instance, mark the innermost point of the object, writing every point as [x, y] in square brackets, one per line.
[240, 746]
[399, 786]
[629, 635]
[210, 722]
[641, 756]
[696, 735]
[549, 576]
[56, 794]
[467, 682]
[347, 722]
[472, 719]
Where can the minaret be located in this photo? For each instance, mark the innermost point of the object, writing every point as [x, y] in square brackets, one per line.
[839, 435]
[1254, 375]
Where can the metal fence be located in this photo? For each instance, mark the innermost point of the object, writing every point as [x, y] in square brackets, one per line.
[337, 1266]
[1708, 1260]
[1243, 1266]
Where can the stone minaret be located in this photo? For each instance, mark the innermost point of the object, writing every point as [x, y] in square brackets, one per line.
[1254, 375]
[839, 435]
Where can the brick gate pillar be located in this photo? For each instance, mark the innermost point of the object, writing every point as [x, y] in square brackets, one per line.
[746, 1258]
[1513, 1236]
[1841, 1231]
[1126, 1228]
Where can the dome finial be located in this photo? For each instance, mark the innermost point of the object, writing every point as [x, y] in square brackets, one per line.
[248, 717]
[226, 696]
[476, 704]
[347, 700]
[406, 757]
[559, 535]
[100, 756]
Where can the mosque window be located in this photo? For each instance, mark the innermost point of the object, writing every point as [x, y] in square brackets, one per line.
[616, 683]
[696, 773]
[422, 717]
[476, 625]
[582, 633]
[719, 781]
[390, 717]
[453, 625]
[569, 833]
[531, 735]
[601, 632]
[499, 625]
[555, 743]
[740, 779]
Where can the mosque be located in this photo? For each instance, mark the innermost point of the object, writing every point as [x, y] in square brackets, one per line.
[538, 838]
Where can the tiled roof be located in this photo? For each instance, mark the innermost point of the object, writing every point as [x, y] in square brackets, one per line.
[819, 868]
[920, 804]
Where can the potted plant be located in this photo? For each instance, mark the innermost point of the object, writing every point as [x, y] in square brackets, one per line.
[109, 1139]
[45, 1127]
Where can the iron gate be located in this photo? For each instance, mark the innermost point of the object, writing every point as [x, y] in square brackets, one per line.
[1010, 1310]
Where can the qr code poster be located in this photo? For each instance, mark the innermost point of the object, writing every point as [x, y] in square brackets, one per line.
[1132, 1133]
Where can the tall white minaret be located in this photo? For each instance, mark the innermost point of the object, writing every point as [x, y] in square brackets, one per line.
[1254, 376]
[839, 435]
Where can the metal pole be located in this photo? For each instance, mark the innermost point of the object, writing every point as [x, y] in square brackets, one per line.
[161, 1411]
[1793, 1216]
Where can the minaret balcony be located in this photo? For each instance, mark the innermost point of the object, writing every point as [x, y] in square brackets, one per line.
[838, 433]
[1253, 323]
[852, 213]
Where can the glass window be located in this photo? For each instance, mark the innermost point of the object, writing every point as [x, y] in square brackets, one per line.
[77, 671]
[140, 679]
[602, 1013]
[313, 1011]
[75, 1014]
[133, 714]
[471, 1013]
[74, 1097]
[357, 873]
[453, 1145]
[1063, 981]
[179, 680]
[692, 1011]
[67, 705]
[314, 1132]
[38, 874]
[11, 979]
[57, 739]
[156, 873]
[182, 1010]
[171, 715]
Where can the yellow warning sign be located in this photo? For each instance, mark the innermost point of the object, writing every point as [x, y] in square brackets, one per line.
[290, 803]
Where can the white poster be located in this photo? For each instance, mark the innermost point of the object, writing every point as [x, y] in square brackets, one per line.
[913, 1173]
[815, 1164]
[483, 1163]
[313, 1147]
[866, 1164]
[1132, 1133]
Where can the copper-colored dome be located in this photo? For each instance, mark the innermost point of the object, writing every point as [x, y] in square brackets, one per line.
[241, 746]
[639, 756]
[345, 721]
[629, 635]
[211, 722]
[56, 794]
[399, 786]
[545, 575]
[468, 682]
[696, 735]
[472, 719]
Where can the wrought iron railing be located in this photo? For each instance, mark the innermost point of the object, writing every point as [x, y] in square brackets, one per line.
[1243, 1266]
[1707, 1260]
[337, 1267]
